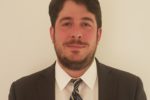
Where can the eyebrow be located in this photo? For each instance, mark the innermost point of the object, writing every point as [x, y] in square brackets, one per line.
[84, 18]
[65, 18]
[88, 19]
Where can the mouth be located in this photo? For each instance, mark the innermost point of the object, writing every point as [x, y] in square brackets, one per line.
[76, 47]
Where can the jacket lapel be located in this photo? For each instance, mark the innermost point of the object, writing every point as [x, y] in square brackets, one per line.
[46, 84]
[107, 83]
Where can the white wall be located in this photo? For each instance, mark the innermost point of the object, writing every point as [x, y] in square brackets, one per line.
[25, 45]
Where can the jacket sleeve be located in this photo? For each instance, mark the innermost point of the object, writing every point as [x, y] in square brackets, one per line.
[12, 93]
[140, 94]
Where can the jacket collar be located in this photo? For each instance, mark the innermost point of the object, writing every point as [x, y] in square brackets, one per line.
[46, 84]
[107, 82]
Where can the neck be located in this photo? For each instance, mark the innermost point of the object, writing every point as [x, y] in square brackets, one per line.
[74, 73]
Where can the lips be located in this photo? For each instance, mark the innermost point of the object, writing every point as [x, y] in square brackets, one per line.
[76, 46]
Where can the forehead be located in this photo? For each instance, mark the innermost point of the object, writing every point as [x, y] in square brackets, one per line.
[74, 10]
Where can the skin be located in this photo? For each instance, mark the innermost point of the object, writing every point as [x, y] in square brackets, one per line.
[75, 37]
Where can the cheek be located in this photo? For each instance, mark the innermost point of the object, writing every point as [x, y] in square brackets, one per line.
[90, 37]
[61, 36]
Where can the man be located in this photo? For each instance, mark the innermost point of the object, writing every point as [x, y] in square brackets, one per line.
[77, 74]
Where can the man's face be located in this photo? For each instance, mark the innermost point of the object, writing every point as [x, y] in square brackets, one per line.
[75, 36]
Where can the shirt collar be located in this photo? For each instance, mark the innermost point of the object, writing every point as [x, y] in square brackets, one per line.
[62, 78]
[89, 77]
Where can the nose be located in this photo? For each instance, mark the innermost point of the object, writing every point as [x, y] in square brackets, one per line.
[76, 35]
[76, 32]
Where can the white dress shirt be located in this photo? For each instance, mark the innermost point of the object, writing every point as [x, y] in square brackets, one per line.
[88, 89]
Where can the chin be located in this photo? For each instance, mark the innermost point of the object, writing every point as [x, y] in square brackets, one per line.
[76, 59]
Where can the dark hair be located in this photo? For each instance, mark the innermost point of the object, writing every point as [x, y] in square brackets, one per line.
[92, 6]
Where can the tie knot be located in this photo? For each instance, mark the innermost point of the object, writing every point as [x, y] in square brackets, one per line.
[76, 83]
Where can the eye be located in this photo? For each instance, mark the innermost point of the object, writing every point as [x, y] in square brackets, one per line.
[86, 24]
[67, 24]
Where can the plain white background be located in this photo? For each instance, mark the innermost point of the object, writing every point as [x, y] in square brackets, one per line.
[25, 45]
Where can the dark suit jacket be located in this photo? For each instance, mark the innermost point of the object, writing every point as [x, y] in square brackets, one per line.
[113, 85]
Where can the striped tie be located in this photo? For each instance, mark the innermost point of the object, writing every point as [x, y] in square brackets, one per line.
[75, 93]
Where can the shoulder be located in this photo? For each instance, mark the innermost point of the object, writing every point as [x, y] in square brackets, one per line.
[120, 75]
[31, 80]
[126, 83]
[28, 85]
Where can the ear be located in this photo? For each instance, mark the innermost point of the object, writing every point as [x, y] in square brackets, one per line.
[99, 33]
[52, 33]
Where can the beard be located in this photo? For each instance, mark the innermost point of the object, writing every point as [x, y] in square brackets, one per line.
[75, 65]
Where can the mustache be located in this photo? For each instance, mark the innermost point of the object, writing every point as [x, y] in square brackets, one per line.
[74, 41]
